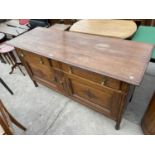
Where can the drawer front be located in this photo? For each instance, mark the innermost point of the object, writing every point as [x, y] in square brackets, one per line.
[105, 99]
[91, 76]
[39, 66]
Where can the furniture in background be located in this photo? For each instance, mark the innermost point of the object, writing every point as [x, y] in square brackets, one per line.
[62, 21]
[33, 23]
[7, 56]
[3, 20]
[6, 86]
[148, 121]
[94, 70]
[146, 34]
[144, 22]
[23, 21]
[2, 37]
[12, 28]
[111, 28]
[61, 27]
[6, 120]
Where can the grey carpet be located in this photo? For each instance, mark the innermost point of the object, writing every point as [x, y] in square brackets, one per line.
[44, 111]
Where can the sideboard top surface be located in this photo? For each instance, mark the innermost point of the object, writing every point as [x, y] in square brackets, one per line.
[120, 59]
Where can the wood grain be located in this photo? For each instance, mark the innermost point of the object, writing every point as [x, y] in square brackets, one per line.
[119, 59]
[112, 28]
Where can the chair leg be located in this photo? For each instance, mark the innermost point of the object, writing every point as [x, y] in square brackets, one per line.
[7, 130]
[16, 122]
[13, 120]
[6, 86]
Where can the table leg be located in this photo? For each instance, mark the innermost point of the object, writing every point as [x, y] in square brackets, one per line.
[132, 94]
[2, 59]
[35, 83]
[16, 64]
[117, 126]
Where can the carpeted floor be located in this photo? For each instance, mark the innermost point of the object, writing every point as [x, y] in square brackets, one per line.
[44, 111]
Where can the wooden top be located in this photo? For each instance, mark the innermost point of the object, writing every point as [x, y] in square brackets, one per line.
[120, 59]
[12, 28]
[112, 28]
[62, 27]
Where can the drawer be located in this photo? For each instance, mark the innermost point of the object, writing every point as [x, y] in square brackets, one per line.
[104, 98]
[91, 76]
[34, 58]
[39, 67]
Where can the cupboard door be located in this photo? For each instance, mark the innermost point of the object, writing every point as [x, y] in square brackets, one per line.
[104, 100]
[39, 67]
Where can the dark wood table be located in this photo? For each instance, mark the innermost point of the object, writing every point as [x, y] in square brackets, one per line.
[94, 70]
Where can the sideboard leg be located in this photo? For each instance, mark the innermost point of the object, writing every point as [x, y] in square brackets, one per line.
[35, 83]
[117, 126]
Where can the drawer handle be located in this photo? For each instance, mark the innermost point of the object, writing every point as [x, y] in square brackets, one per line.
[22, 55]
[104, 82]
[41, 61]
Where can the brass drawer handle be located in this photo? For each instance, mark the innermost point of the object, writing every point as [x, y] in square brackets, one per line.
[104, 82]
[22, 55]
[41, 61]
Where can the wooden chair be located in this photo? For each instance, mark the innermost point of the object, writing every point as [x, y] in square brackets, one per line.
[6, 120]
[7, 56]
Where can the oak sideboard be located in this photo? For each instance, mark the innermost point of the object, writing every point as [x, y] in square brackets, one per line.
[96, 71]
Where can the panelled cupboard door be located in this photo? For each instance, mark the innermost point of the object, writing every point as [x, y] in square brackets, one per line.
[39, 67]
[106, 101]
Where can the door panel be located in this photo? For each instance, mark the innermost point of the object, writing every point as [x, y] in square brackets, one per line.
[105, 99]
